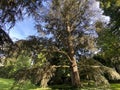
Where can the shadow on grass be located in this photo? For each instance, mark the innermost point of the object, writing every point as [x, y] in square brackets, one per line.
[62, 87]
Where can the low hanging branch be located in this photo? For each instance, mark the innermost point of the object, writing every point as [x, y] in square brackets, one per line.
[63, 66]
[62, 52]
[4, 37]
[55, 49]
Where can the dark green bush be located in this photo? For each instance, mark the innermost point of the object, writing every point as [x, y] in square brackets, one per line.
[6, 71]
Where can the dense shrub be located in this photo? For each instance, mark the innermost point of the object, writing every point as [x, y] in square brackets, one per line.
[6, 71]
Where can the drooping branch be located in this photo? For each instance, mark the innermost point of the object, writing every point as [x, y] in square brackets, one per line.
[4, 37]
[64, 53]
[55, 49]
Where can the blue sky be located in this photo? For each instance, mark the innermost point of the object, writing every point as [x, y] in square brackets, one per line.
[23, 29]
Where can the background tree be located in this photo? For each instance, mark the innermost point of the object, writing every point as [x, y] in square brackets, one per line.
[12, 11]
[110, 37]
[111, 9]
[5, 43]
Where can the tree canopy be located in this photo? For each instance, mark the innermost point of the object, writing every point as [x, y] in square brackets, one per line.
[69, 29]
[66, 23]
[111, 9]
[110, 37]
[14, 10]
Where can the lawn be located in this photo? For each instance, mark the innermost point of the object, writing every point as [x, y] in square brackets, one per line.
[115, 86]
[6, 84]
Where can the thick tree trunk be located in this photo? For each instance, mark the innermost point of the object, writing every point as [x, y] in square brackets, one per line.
[75, 74]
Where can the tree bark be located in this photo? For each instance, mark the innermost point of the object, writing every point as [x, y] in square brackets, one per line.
[75, 78]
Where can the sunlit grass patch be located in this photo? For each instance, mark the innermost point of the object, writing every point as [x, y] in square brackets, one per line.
[5, 84]
[115, 86]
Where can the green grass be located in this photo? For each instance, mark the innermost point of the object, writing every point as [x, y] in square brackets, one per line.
[6, 84]
[115, 86]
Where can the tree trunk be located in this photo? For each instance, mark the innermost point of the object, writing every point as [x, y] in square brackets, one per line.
[71, 52]
[75, 74]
